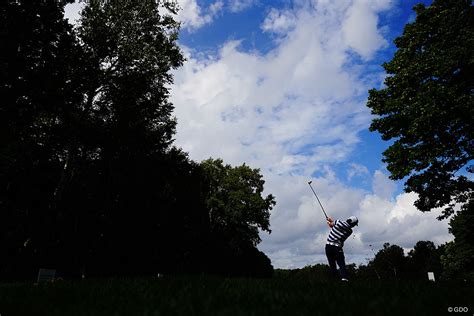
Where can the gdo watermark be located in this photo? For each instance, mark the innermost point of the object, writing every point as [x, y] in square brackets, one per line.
[458, 309]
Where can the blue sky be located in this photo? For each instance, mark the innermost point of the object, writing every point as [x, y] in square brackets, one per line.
[282, 86]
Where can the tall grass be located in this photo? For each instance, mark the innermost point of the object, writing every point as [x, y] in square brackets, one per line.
[208, 295]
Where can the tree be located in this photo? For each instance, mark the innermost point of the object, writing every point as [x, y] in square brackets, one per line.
[235, 202]
[390, 262]
[424, 258]
[130, 48]
[458, 257]
[427, 106]
[37, 88]
[236, 212]
[85, 124]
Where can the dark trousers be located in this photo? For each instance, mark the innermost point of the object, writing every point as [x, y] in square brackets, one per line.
[336, 255]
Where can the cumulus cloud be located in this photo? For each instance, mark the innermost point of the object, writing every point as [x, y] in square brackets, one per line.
[382, 186]
[191, 14]
[398, 221]
[360, 27]
[291, 110]
[279, 21]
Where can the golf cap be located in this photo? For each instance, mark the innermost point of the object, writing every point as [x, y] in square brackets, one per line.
[353, 221]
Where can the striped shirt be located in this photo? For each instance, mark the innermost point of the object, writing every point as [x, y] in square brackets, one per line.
[339, 233]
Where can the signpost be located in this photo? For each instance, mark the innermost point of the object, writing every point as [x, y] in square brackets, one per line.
[431, 276]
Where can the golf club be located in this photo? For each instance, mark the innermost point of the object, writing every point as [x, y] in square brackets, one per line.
[317, 199]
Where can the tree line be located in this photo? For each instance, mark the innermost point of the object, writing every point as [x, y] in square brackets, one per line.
[391, 263]
[90, 181]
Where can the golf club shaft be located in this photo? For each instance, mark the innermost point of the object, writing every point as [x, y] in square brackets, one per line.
[318, 199]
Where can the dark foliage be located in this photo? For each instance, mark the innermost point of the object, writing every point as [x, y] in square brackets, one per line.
[427, 105]
[204, 295]
[391, 263]
[427, 109]
[458, 256]
[90, 182]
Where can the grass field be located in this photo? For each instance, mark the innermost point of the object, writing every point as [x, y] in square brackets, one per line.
[200, 295]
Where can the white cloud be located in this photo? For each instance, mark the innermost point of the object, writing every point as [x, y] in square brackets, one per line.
[303, 96]
[360, 27]
[279, 21]
[383, 186]
[191, 15]
[399, 222]
[72, 10]
[240, 5]
[216, 7]
[356, 170]
[296, 112]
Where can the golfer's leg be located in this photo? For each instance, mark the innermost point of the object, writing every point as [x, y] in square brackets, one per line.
[331, 255]
[341, 262]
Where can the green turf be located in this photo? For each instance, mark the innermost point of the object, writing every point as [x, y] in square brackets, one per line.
[193, 295]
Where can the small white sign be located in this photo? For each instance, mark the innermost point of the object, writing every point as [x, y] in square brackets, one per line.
[431, 276]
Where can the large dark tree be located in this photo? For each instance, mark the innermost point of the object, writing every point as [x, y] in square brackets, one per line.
[129, 50]
[86, 165]
[37, 89]
[427, 108]
[390, 262]
[90, 182]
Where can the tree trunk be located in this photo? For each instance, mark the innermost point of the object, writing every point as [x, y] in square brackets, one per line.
[67, 174]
